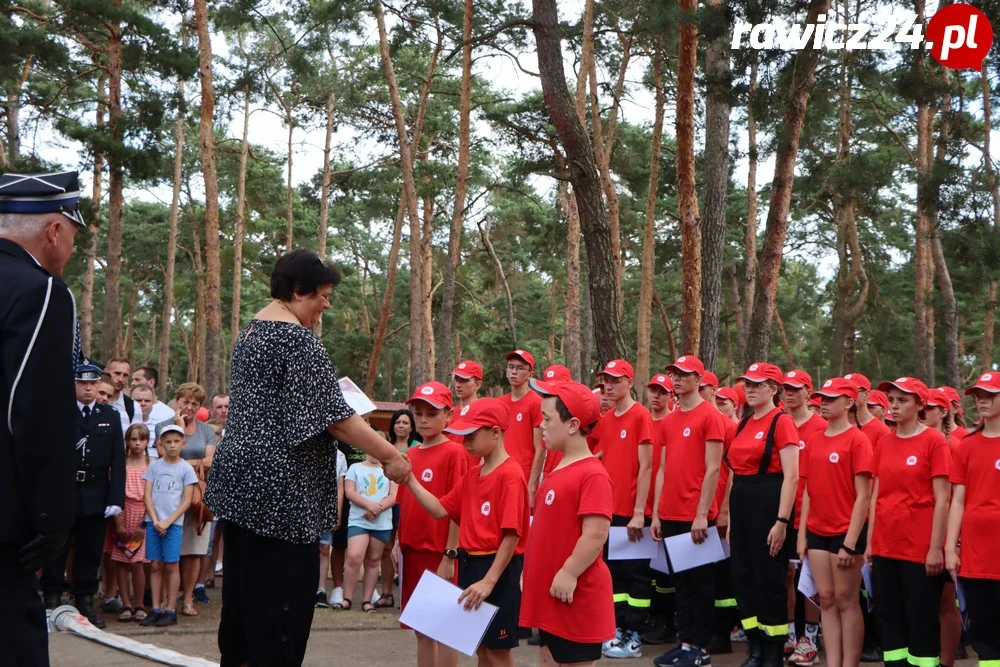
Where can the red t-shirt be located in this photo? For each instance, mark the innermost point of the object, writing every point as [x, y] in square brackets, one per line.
[484, 506]
[564, 498]
[904, 509]
[440, 469]
[957, 434]
[976, 465]
[815, 424]
[659, 437]
[686, 433]
[519, 439]
[875, 429]
[744, 450]
[829, 465]
[619, 438]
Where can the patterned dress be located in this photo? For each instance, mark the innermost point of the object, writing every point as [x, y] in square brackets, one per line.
[134, 513]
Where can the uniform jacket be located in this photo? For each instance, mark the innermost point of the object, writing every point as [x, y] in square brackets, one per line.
[100, 447]
[37, 398]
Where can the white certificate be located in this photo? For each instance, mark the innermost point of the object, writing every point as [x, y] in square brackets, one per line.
[433, 610]
[659, 561]
[620, 548]
[807, 585]
[686, 555]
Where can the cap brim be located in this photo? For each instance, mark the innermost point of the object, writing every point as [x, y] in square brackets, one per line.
[676, 367]
[991, 390]
[467, 376]
[458, 428]
[75, 216]
[542, 387]
[886, 386]
[514, 355]
[799, 385]
[428, 401]
[830, 394]
[756, 378]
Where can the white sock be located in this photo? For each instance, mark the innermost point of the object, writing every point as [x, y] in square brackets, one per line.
[791, 632]
[812, 631]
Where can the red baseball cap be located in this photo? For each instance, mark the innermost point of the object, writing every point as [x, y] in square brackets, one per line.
[617, 368]
[952, 394]
[468, 369]
[578, 398]
[688, 364]
[523, 355]
[938, 398]
[798, 379]
[987, 382]
[557, 373]
[662, 381]
[815, 402]
[482, 413]
[709, 379]
[729, 394]
[861, 380]
[762, 371]
[876, 397]
[908, 385]
[433, 394]
[741, 394]
[836, 387]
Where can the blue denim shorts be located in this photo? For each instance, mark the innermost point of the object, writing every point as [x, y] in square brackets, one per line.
[380, 535]
[166, 548]
[326, 538]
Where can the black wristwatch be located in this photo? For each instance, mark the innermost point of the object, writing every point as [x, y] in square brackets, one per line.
[783, 520]
[451, 553]
[853, 552]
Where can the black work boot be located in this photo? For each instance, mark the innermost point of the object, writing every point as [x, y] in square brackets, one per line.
[755, 649]
[773, 653]
[85, 605]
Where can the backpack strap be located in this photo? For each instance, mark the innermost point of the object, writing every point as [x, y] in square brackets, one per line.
[129, 407]
[765, 460]
[739, 427]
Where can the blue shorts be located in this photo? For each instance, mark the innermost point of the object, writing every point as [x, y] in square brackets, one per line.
[326, 538]
[380, 535]
[166, 548]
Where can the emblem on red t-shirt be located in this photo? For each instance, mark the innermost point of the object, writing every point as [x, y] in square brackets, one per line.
[623, 434]
[912, 461]
[834, 457]
[485, 509]
[997, 464]
[759, 435]
[550, 497]
[520, 416]
[687, 432]
[427, 475]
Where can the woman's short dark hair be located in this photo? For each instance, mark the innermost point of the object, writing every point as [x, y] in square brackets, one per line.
[301, 271]
[414, 436]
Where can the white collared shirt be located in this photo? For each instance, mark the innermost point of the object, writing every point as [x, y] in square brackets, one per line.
[160, 412]
[119, 405]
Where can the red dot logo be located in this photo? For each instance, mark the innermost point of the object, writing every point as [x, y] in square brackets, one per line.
[427, 475]
[959, 36]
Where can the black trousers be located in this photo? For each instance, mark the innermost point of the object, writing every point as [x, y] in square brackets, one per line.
[907, 603]
[760, 583]
[662, 600]
[630, 585]
[727, 613]
[23, 633]
[268, 599]
[694, 597]
[982, 603]
[87, 535]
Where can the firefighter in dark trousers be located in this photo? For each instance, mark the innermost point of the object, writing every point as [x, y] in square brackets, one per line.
[100, 494]
[763, 454]
[39, 220]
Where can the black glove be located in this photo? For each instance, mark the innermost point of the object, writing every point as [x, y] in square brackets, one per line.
[41, 550]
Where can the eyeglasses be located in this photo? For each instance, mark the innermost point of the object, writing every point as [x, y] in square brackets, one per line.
[517, 368]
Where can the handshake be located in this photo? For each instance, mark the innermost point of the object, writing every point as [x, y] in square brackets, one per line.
[398, 469]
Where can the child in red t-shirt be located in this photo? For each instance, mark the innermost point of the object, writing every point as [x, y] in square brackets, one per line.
[907, 525]
[523, 437]
[429, 543]
[567, 585]
[491, 508]
[837, 470]
[554, 373]
[467, 379]
[975, 517]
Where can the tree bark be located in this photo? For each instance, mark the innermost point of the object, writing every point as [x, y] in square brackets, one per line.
[783, 337]
[484, 234]
[687, 195]
[213, 261]
[446, 316]
[175, 205]
[427, 273]
[949, 310]
[200, 312]
[90, 256]
[765, 298]
[584, 177]
[989, 314]
[238, 231]
[113, 266]
[986, 355]
[644, 323]
[385, 312]
[713, 230]
[571, 326]
[289, 214]
[750, 231]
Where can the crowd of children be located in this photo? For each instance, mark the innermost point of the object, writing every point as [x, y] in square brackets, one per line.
[832, 477]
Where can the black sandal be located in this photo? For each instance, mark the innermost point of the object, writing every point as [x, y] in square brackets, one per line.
[385, 601]
[345, 605]
[368, 607]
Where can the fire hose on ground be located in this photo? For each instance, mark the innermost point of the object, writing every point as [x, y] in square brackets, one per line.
[67, 619]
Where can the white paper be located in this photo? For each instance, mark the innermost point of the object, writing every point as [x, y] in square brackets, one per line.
[620, 548]
[659, 561]
[433, 610]
[807, 585]
[726, 549]
[356, 398]
[685, 554]
[866, 578]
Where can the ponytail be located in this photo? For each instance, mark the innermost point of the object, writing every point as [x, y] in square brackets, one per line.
[778, 394]
[946, 429]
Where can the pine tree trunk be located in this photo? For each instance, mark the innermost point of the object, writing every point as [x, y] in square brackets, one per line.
[783, 338]
[644, 324]
[949, 309]
[213, 260]
[585, 179]
[175, 204]
[550, 349]
[571, 326]
[324, 195]
[989, 315]
[687, 195]
[586, 326]
[765, 297]
[484, 234]
[385, 312]
[113, 267]
[238, 231]
[289, 215]
[427, 273]
[986, 355]
[90, 256]
[446, 316]
[716, 190]
[750, 232]
[200, 308]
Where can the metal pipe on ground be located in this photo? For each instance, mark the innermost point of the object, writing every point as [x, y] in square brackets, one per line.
[67, 619]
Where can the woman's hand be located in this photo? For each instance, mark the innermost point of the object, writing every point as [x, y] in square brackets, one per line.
[397, 468]
[776, 538]
[845, 560]
[934, 565]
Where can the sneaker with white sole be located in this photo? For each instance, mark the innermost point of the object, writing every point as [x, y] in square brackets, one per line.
[738, 635]
[805, 655]
[606, 646]
[337, 596]
[630, 646]
[790, 645]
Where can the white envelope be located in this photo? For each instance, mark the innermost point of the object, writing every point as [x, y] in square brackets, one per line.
[807, 585]
[433, 610]
[659, 561]
[686, 555]
[620, 548]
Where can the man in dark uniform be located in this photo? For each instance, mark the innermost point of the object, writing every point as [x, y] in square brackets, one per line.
[39, 219]
[100, 494]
